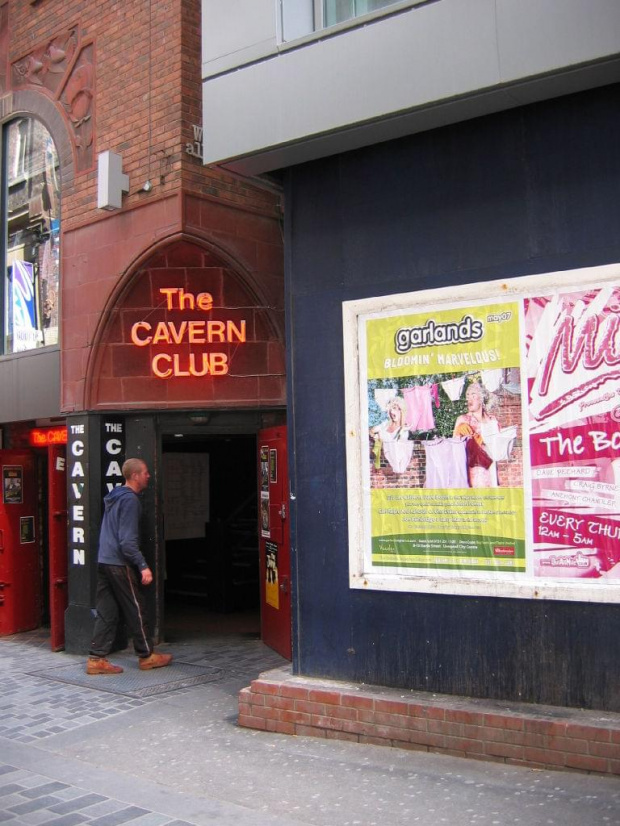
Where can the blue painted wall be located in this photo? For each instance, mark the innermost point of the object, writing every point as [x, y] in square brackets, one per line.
[528, 191]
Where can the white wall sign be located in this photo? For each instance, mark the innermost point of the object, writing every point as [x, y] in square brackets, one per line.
[195, 147]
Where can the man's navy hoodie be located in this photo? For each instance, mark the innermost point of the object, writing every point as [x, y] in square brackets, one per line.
[119, 537]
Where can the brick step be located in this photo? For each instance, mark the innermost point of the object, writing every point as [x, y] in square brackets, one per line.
[542, 737]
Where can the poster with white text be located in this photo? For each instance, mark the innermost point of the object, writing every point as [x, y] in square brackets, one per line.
[573, 374]
[484, 440]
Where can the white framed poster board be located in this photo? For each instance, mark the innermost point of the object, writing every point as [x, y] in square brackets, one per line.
[483, 438]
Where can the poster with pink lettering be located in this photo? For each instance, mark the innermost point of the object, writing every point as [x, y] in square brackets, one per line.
[573, 371]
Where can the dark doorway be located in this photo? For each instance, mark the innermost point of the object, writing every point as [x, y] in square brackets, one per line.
[210, 524]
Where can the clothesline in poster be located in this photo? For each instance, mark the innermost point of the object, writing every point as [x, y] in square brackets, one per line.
[494, 448]
[410, 416]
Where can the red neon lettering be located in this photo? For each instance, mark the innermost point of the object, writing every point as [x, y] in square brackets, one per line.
[169, 292]
[184, 301]
[161, 374]
[219, 364]
[204, 301]
[232, 331]
[140, 325]
[198, 364]
[197, 332]
[48, 436]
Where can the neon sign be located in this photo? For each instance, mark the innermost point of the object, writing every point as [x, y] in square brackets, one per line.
[42, 437]
[165, 365]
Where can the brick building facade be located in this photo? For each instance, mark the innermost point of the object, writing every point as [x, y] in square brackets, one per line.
[125, 78]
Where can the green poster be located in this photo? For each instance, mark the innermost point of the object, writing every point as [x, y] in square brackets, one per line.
[445, 452]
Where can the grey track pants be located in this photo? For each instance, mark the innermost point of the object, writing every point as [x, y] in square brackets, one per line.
[118, 592]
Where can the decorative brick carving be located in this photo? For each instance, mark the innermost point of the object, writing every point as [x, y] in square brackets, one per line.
[47, 65]
[65, 70]
[78, 100]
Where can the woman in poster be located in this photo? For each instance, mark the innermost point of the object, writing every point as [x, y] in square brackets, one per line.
[392, 435]
[478, 425]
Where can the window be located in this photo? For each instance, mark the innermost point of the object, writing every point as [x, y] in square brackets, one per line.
[31, 236]
[300, 18]
[337, 11]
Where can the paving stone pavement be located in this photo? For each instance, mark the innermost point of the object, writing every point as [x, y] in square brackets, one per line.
[32, 707]
[35, 706]
[30, 798]
[74, 754]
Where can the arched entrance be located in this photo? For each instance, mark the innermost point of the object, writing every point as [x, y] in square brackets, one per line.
[187, 328]
[189, 364]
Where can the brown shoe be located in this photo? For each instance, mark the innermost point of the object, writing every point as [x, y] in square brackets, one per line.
[154, 661]
[99, 665]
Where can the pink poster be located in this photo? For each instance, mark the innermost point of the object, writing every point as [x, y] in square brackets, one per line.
[573, 371]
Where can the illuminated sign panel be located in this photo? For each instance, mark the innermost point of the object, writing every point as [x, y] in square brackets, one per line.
[44, 436]
[193, 331]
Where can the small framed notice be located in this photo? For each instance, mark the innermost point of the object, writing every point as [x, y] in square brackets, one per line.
[12, 484]
[26, 530]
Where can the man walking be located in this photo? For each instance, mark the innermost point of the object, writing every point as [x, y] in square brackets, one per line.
[120, 572]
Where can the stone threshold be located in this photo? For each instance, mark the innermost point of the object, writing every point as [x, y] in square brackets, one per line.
[541, 737]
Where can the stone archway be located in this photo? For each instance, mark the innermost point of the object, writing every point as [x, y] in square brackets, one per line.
[34, 104]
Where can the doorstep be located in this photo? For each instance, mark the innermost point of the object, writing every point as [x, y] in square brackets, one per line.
[541, 737]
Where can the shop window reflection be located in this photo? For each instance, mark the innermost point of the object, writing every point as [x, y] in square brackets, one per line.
[32, 233]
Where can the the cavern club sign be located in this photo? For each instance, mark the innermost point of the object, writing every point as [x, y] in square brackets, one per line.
[194, 344]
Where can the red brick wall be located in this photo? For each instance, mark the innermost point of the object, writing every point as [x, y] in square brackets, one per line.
[102, 259]
[141, 96]
[147, 94]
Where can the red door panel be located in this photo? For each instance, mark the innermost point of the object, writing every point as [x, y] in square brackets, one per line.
[275, 562]
[57, 531]
[20, 575]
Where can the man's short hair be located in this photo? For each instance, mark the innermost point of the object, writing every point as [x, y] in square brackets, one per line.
[132, 466]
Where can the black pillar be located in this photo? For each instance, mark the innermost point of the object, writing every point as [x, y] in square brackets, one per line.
[95, 454]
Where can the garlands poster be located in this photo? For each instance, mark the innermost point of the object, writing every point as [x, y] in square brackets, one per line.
[483, 452]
